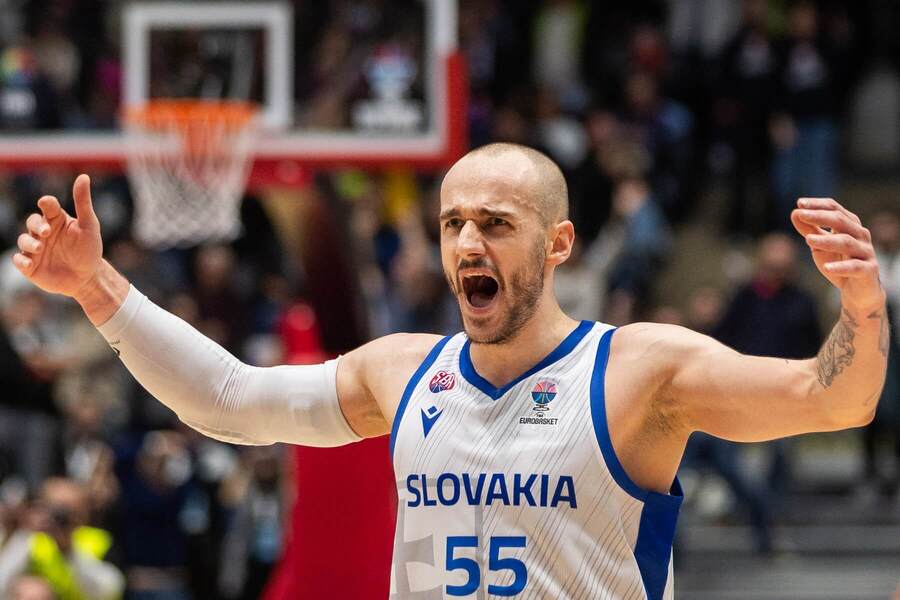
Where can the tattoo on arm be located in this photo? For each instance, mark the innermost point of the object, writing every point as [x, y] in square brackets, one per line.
[884, 334]
[838, 351]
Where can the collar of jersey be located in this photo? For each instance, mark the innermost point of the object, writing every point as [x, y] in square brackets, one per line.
[471, 375]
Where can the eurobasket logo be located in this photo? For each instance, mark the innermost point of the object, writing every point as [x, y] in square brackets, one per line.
[542, 394]
[442, 381]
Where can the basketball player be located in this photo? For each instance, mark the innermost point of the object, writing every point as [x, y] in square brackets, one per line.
[535, 455]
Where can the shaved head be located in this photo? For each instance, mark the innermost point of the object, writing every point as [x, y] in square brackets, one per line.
[504, 229]
[549, 194]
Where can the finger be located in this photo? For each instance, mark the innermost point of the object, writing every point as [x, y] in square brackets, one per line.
[853, 267]
[37, 225]
[84, 208]
[22, 263]
[840, 243]
[801, 226]
[29, 244]
[835, 220]
[827, 204]
[49, 206]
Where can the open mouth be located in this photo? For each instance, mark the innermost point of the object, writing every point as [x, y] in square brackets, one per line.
[480, 289]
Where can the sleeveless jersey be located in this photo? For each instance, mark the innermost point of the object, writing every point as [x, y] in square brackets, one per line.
[516, 491]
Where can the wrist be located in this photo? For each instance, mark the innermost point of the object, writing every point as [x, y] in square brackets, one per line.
[863, 309]
[102, 295]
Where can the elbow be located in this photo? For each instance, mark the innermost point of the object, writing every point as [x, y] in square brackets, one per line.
[851, 418]
[866, 414]
[867, 418]
[841, 408]
[861, 419]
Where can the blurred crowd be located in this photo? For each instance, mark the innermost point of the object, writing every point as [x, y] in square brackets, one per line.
[647, 107]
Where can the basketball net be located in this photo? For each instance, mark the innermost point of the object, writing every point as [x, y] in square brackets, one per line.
[188, 163]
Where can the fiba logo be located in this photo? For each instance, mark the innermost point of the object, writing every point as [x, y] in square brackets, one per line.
[442, 381]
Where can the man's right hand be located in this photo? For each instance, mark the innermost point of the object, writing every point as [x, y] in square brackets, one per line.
[59, 253]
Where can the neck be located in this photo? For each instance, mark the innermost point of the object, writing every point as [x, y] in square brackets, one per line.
[501, 363]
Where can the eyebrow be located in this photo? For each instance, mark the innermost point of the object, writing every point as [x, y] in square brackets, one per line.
[485, 212]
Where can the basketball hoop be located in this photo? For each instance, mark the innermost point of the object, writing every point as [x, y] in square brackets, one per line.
[188, 162]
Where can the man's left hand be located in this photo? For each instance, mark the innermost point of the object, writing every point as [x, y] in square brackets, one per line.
[842, 250]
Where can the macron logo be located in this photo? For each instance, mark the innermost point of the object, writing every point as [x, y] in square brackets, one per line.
[429, 418]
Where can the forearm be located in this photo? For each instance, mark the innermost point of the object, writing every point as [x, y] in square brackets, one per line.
[851, 365]
[213, 392]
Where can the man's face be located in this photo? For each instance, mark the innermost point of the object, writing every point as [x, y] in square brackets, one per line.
[493, 245]
[777, 257]
[61, 507]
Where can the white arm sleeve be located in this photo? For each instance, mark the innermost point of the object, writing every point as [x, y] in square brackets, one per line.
[216, 394]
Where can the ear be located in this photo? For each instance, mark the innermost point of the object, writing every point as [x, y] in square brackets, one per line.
[562, 238]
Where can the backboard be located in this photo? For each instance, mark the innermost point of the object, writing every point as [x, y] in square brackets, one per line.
[364, 83]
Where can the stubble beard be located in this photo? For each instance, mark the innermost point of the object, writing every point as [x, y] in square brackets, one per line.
[521, 297]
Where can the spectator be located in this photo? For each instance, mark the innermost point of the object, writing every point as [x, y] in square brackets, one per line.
[705, 308]
[744, 87]
[590, 192]
[812, 81]
[221, 307]
[417, 289]
[58, 59]
[30, 346]
[560, 134]
[57, 546]
[642, 230]
[253, 542]
[204, 517]
[493, 47]
[665, 129]
[886, 238]
[579, 282]
[27, 100]
[558, 38]
[155, 479]
[771, 315]
[886, 426]
[13, 507]
[87, 457]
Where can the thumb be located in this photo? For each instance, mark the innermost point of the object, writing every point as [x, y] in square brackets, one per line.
[84, 209]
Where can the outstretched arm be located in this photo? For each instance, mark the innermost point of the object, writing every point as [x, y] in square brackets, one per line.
[208, 388]
[708, 387]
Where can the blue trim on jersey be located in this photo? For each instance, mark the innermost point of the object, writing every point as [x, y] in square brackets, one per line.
[471, 375]
[656, 534]
[656, 531]
[598, 416]
[411, 386]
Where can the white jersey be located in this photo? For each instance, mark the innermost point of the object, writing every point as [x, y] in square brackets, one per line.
[517, 491]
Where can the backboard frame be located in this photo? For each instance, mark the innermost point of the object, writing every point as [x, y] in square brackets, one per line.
[281, 157]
